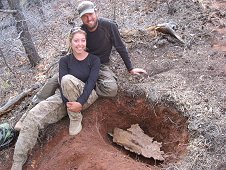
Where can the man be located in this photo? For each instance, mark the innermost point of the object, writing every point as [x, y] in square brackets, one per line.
[102, 35]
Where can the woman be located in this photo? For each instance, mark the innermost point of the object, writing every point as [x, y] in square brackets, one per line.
[78, 73]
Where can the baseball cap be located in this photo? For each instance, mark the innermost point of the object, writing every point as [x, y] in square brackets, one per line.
[85, 7]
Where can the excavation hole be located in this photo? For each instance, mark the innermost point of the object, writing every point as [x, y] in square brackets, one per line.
[160, 121]
[93, 147]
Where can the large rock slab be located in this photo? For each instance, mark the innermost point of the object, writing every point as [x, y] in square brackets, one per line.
[134, 140]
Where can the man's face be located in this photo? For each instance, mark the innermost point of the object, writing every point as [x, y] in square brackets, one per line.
[90, 20]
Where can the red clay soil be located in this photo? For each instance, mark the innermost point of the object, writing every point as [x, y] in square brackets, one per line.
[92, 149]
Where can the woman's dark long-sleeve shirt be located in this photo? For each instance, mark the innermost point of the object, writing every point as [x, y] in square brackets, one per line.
[86, 70]
[101, 41]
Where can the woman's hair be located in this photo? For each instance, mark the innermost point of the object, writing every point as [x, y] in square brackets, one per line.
[74, 31]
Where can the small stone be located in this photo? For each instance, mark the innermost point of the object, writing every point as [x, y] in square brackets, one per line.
[206, 100]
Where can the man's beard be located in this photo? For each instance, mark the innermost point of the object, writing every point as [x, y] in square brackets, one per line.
[93, 27]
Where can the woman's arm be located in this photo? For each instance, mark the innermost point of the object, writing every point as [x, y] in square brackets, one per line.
[91, 82]
[63, 70]
[63, 67]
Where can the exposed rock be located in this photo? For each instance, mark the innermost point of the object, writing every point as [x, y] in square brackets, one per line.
[134, 140]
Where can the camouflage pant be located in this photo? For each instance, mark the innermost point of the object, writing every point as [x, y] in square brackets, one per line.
[106, 85]
[47, 112]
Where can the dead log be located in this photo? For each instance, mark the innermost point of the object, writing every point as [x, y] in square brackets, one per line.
[8, 11]
[134, 140]
[12, 101]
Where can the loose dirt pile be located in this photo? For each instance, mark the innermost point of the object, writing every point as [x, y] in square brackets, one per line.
[181, 102]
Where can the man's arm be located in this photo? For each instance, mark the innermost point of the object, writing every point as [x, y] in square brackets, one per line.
[120, 47]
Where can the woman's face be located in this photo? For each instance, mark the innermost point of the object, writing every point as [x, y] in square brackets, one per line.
[78, 43]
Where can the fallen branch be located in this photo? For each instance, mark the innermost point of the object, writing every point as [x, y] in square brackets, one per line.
[6, 108]
[8, 11]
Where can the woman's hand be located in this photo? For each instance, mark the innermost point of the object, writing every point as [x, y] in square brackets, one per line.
[137, 71]
[74, 106]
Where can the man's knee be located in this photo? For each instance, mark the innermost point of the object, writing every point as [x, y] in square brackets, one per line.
[113, 91]
[107, 89]
[106, 83]
[54, 80]
[47, 90]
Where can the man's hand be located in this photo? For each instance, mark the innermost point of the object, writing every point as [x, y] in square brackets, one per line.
[74, 106]
[137, 71]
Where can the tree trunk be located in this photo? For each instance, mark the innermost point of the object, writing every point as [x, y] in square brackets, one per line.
[25, 35]
[1, 5]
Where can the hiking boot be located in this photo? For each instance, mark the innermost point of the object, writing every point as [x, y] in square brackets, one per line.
[75, 127]
[18, 126]
[17, 166]
[75, 123]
